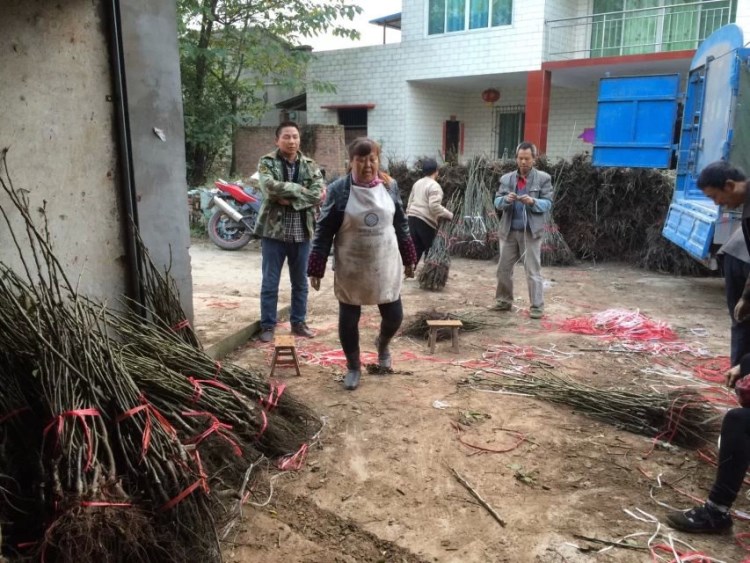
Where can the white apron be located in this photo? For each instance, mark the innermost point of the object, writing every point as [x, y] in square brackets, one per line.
[367, 261]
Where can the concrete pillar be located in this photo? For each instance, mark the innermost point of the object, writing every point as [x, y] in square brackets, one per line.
[538, 85]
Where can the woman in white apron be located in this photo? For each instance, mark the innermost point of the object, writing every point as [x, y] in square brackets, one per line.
[363, 219]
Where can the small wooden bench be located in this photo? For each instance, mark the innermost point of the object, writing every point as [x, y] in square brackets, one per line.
[284, 353]
[434, 326]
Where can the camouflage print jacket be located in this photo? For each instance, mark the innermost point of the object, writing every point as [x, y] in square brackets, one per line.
[302, 196]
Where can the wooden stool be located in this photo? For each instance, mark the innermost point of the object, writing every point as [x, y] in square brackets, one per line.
[284, 354]
[434, 326]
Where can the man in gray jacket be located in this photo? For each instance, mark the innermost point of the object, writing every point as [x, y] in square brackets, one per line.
[524, 198]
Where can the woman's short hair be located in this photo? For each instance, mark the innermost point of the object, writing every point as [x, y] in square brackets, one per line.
[362, 146]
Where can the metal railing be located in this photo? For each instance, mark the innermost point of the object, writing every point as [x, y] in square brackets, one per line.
[674, 27]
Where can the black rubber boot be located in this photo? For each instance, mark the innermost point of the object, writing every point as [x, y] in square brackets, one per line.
[351, 379]
[384, 354]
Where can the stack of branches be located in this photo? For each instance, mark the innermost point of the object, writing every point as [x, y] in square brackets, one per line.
[114, 454]
[600, 214]
[434, 274]
[451, 177]
[475, 232]
[605, 213]
[437, 262]
[406, 176]
[662, 255]
[682, 417]
[555, 251]
[417, 326]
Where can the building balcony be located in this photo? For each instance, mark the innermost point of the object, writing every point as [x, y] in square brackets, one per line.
[672, 27]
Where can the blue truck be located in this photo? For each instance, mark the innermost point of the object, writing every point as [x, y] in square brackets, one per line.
[639, 125]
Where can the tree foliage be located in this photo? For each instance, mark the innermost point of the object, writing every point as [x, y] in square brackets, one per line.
[229, 51]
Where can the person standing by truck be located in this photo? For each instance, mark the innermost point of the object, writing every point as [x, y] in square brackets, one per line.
[735, 265]
[726, 185]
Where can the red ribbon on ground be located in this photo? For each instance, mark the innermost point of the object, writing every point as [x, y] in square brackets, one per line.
[274, 395]
[79, 414]
[295, 461]
[150, 410]
[520, 438]
[216, 426]
[682, 555]
[712, 369]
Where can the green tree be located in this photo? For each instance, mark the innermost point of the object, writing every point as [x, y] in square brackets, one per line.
[229, 49]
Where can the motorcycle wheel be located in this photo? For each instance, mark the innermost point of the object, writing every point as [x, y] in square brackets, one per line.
[226, 233]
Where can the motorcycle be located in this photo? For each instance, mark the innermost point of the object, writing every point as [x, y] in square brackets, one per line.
[232, 223]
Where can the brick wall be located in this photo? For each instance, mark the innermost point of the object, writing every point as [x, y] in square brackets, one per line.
[329, 149]
[323, 143]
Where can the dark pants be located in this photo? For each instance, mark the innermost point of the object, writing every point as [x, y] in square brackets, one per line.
[391, 316]
[735, 274]
[734, 457]
[422, 234]
[274, 253]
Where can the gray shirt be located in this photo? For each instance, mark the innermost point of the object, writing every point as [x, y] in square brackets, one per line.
[736, 246]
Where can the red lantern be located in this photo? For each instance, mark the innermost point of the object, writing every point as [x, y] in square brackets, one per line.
[490, 96]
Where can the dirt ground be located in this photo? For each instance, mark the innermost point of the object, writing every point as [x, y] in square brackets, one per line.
[378, 485]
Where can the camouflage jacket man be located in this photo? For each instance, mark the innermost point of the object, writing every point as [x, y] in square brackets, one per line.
[302, 195]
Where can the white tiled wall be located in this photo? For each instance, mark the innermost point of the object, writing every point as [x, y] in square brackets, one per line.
[743, 17]
[409, 112]
[571, 111]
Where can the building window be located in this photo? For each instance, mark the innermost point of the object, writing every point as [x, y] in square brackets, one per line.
[354, 122]
[630, 27]
[508, 130]
[445, 16]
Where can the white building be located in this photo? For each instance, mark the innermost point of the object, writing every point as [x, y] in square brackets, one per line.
[423, 96]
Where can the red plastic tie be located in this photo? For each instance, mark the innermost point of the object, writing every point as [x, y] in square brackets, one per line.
[150, 410]
[182, 324]
[202, 483]
[198, 386]
[274, 394]
[79, 414]
[216, 426]
[262, 428]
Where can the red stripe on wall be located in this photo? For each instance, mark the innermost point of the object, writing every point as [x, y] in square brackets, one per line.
[538, 87]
